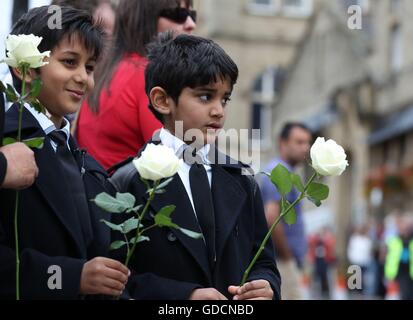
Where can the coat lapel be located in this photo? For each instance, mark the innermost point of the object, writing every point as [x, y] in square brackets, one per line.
[50, 181]
[184, 217]
[54, 190]
[229, 198]
[228, 195]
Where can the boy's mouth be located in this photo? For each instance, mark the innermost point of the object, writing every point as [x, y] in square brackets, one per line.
[78, 94]
[214, 126]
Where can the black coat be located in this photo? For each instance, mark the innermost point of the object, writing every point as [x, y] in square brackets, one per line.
[3, 161]
[2, 106]
[171, 265]
[49, 233]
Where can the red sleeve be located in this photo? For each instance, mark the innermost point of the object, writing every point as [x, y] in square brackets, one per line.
[124, 122]
[136, 100]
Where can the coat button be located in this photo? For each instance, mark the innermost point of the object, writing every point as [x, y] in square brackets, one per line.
[171, 237]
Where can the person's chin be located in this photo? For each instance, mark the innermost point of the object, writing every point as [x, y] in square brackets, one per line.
[72, 108]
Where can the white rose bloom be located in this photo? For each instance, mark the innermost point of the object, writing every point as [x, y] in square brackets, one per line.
[157, 162]
[328, 158]
[23, 49]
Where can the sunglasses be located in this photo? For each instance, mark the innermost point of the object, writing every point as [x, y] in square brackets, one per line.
[178, 15]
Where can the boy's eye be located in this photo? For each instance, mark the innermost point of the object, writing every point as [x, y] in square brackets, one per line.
[69, 62]
[225, 101]
[90, 68]
[205, 97]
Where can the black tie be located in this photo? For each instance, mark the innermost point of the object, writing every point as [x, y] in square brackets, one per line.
[73, 179]
[204, 207]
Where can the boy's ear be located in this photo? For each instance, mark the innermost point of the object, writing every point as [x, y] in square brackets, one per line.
[160, 100]
[31, 74]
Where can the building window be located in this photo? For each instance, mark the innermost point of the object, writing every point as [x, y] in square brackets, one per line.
[297, 8]
[396, 47]
[265, 95]
[264, 7]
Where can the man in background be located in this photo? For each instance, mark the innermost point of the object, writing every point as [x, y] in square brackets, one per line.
[289, 241]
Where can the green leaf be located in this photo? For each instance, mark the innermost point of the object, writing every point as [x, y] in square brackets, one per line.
[135, 209]
[116, 245]
[34, 142]
[317, 191]
[8, 140]
[126, 198]
[280, 177]
[11, 94]
[191, 234]
[36, 104]
[167, 210]
[35, 87]
[129, 225]
[111, 204]
[291, 216]
[165, 221]
[113, 226]
[141, 239]
[295, 178]
[165, 183]
[2, 87]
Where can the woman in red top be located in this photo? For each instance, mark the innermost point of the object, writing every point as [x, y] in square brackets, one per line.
[116, 121]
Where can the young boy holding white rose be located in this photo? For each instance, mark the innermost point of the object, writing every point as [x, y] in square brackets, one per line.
[59, 228]
[189, 81]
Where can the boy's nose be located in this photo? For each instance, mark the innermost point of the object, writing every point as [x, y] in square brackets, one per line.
[81, 75]
[189, 25]
[217, 110]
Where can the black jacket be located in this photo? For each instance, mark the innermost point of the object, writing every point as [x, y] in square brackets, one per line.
[49, 233]
[171, 265]
[3, 162]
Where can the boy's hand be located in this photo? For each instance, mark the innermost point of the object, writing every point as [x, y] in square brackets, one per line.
[207, 294]
[254, 290]
[103, 276]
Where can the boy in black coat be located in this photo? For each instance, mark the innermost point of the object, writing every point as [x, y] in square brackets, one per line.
[189, 81]
[60, 233]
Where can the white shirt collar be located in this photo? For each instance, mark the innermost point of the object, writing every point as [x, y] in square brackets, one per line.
[171, 141]
[46, 124]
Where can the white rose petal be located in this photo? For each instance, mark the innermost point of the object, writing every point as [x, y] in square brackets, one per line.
[157, 162]
[328, 158]
[23, 49]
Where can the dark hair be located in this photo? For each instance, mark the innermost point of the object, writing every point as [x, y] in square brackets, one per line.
[289, 126]
[74, 22]
[89, 5]
[136, 25]
[186, 61]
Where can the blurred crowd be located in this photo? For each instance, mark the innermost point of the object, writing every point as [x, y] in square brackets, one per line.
[381, 250]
